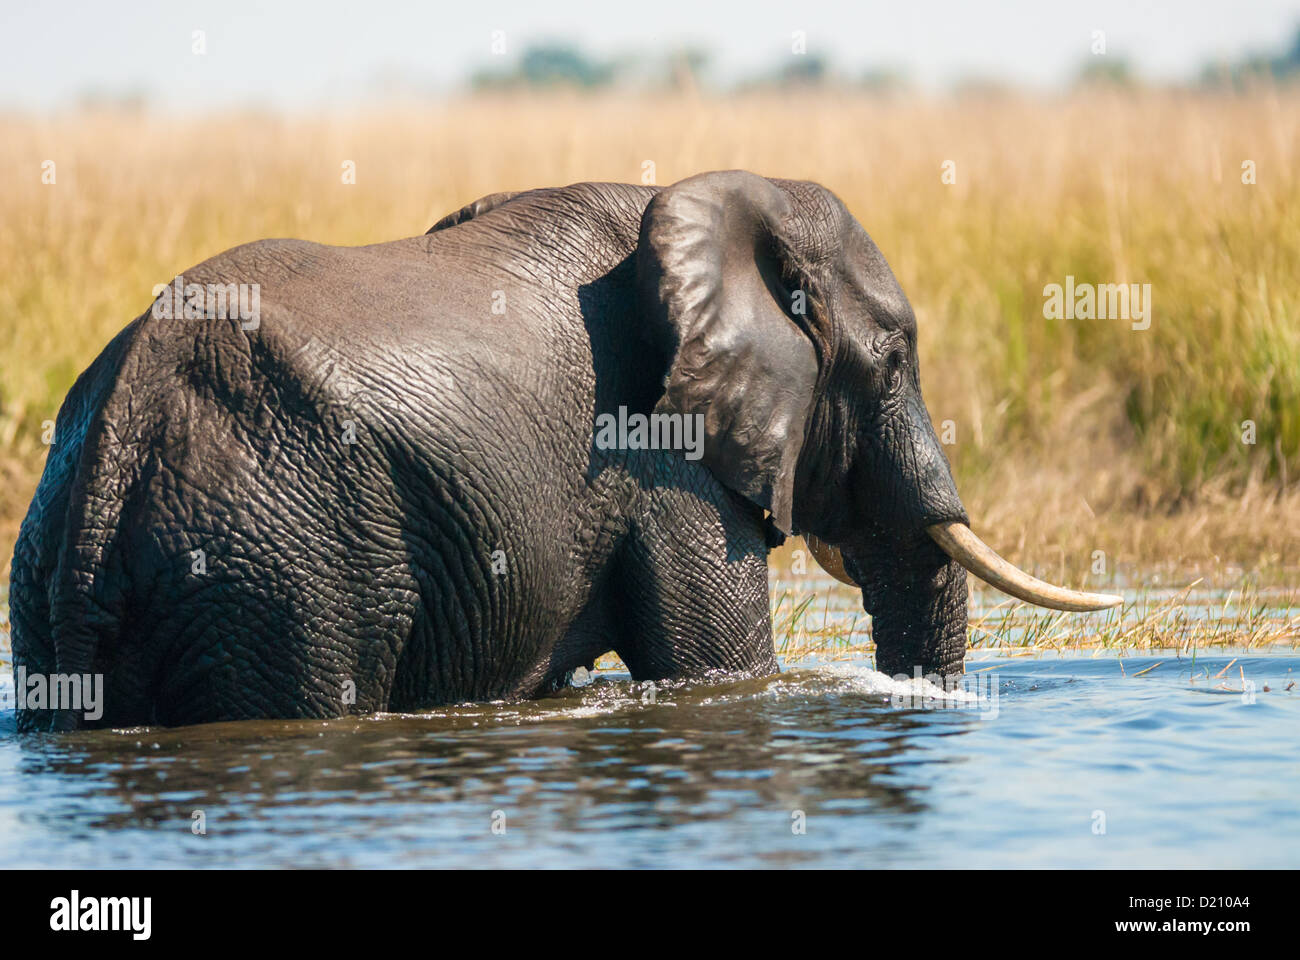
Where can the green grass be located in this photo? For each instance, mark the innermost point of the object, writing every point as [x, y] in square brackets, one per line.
[1185, 620]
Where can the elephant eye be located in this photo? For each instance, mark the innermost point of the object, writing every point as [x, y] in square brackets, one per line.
[894, 366]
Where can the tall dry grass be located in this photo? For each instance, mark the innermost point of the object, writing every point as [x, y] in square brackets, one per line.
[1071, 436]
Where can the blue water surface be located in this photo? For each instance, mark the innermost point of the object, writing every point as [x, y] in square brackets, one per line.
[1044, 761]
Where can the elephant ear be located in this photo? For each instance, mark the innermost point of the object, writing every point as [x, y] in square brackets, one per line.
[709, 268]
[471, 210]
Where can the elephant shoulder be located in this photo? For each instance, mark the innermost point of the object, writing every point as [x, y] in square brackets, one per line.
[297, 283]
[272, 260]
[471, 210]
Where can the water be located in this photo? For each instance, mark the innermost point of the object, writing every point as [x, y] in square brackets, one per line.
[1025, 770]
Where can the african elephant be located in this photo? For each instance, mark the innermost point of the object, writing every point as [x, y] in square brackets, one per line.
[423, 475]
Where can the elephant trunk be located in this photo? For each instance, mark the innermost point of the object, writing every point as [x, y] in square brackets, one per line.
[913, 574]
[919, 627]
[917, 600]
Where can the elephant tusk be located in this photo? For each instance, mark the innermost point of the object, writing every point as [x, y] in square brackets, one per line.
[957, 540]
[829, 559]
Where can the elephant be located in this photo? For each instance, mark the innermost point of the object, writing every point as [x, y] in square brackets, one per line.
[423, 475]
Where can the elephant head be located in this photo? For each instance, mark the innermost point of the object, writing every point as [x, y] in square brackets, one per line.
[779, 321]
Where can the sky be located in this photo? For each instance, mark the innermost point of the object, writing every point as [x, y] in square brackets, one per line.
[305, 54]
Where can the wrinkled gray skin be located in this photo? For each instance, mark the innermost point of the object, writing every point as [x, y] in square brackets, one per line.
[331, 564]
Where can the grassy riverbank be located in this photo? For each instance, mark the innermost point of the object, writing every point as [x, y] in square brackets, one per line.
[1070, 438]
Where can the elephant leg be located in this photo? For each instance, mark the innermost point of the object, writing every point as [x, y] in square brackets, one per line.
[690, 586]
[270, 650]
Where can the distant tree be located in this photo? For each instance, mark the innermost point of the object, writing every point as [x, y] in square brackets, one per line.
[1255, 66]
[548, 65]
[804, 71]
[558, 65]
